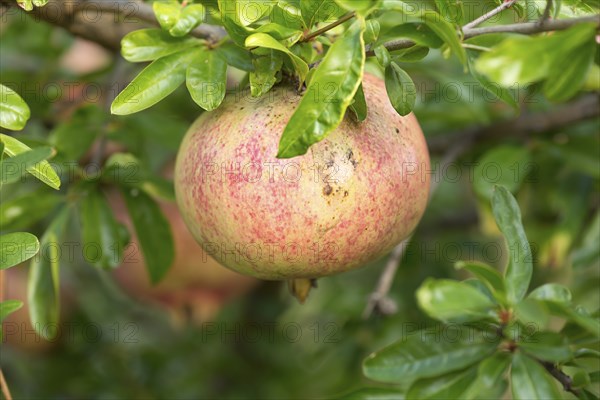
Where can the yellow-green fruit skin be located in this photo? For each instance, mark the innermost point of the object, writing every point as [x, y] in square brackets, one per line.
[349, 200]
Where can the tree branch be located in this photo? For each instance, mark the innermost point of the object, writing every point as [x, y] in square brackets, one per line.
[103, 22]
[488, 15]
[564, 379]
[526, 28]
[587, 107]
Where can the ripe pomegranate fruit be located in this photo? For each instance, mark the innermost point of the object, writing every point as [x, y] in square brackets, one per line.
[195, 288]
[349, 200]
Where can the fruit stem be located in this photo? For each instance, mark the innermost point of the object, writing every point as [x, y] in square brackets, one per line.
[300, 288]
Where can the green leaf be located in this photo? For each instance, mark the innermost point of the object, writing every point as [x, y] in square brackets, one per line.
[508, 217]
[26, 5]
[359, 105]
[577, 317]
[14, 112]
[452, 10]
[245, 12]
[42, 171]
[489, 375]
[12, 169]
[501, 93]
[6, 308]
[552, 292]
[383, 56]
[488, 275]
[568, 73]
[427, 354]
[372, 31]
[450, 386]
[547, 346]
[319, 113]
[152, 44]
[530, 380]
[412, 54]
[100, 232]
[236, 56]
[153, 231]
[167, 13]
[44, 280]
[264, 75]
[448, 300]
[23, 211]
[288, 14]
[418, 32]
[400, 89]
[530, 311]
[505, 165]
[16, 248]
[289, 36]
[266, 41]
[362, 7]
[314, 11]
[446, 32]
[562, 58]
[374, 394]
[517, 60]
[189, 17]
[206, 79]
[154, 83]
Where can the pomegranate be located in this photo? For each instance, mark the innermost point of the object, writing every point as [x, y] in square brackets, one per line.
[349, 200]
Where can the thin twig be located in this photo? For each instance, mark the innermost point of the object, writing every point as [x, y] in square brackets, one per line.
[491, 14]
[379, 300]
[525, 28]
[329, 27]
[5, 390]
[546, 14]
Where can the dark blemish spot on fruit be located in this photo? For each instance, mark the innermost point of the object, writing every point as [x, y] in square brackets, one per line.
[350, 156]
[327, 190]
[346, 193]
[397, 130]
[241, 108]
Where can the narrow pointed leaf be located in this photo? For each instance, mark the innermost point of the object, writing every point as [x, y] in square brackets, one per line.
[100, 232]
[14, 112]
[264, 40]
[508, 217]
[152, 44]
[154, 83]
[16, 248]
[319, 113]
[43, 284]
[13, 168]
[153, 231]
[429, 353]
[42, 170]
[530, 380]
[206, 79]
